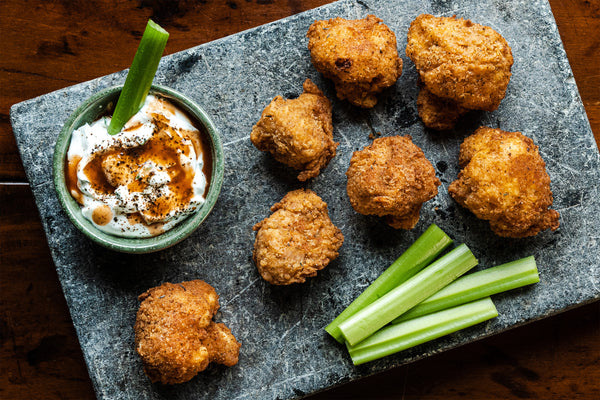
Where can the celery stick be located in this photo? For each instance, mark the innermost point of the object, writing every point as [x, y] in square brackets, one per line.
[395, 338]
[422, 252]
[140, 76]
[408, 294]
[476, 286]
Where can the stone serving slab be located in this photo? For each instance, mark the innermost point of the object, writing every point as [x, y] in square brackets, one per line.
[285, 352]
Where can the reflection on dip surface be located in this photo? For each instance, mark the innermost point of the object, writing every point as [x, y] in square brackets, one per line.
[144, 180]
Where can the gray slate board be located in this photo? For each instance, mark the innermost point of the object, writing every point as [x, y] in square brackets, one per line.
[285, 352]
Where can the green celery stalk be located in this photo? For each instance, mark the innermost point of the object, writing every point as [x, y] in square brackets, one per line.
[140, 76]
[408, 294]
[404, 335]
[476, 286]
[420, 254]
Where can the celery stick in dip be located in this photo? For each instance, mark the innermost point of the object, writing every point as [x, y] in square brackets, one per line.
[140, 76]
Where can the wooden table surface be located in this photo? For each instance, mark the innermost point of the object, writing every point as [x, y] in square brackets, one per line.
[48, 45]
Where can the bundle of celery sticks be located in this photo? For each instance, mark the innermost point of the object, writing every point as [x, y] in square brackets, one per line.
[421, 297]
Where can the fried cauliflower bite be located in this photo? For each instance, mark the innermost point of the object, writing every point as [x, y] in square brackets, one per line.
[504, 181]
[297, 240]
[391, 178]
[462, 66]
[359, 56]
[461, 61]
[298, 132]
[175, 335]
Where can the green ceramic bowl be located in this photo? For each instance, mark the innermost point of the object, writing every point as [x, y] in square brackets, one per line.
[102, 103]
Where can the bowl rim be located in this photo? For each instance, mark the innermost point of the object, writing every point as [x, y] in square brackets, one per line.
[137, 245]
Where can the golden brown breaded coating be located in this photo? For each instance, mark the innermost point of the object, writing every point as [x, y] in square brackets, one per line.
[461, 61]
[437, 113]
[504, 181]
[298, 132]
[222, 346]
[359, 56]
[297, 240]
[391, 177]
[175, 335]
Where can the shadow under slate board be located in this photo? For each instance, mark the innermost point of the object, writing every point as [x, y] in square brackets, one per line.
[285, 351]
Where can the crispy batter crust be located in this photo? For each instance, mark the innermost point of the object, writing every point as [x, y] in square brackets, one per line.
[298, 132]
[504, 181]
[175, 335]
[460, 61]
[391, 178]
[359, 56]
[297, 240]
[437, 113]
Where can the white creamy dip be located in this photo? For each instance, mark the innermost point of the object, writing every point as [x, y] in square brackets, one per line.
[142, 181]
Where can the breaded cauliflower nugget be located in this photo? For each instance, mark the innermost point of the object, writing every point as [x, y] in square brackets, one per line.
[298, 132]
[297, 240]
[175, 335]
[391, 178]
[460, 62]
[359, 56]
[504, 181]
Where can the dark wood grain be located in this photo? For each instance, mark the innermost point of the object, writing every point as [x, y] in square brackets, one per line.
[48, 45]
[578, 23]
[40, 357]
